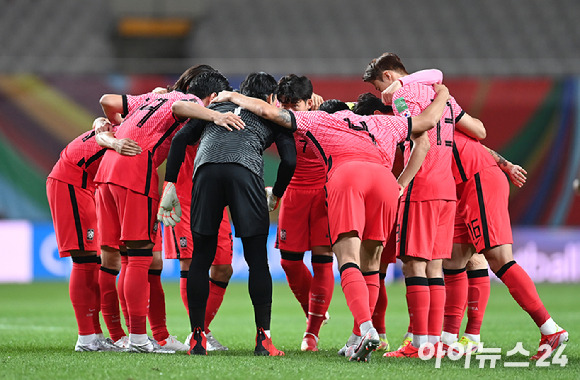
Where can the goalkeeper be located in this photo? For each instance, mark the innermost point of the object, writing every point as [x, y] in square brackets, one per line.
[228, 171]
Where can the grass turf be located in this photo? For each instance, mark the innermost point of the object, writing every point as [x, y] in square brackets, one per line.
[38, 333]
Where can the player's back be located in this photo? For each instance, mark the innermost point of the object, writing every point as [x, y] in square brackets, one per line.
[434, 180]
[469, 157]
[79, 161]
[244, 147]
[310, 171]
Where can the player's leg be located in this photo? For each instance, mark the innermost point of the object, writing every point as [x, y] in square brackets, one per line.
[110, 268]
[477, 297]
[456, 290]
[523, 290]
[388, 256]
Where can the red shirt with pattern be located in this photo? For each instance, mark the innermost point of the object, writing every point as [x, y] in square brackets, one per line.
[469, 157]
[150, 122]
[434, 180]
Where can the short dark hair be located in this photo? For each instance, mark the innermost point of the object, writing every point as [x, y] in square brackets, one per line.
[368, 103]
[387, 61]
[258, 85]
[207, 83]
[292, 88]
[188, 75]
[333, 105]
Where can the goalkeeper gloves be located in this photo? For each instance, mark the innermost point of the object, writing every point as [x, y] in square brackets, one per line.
[169, 208]
[273, 201]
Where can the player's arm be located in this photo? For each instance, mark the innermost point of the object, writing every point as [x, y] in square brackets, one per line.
[419, 151]
[113, 108]
[287, 150]
[105, 137]
[188, 135]
[259, 107]
[516, 173]
[471, 126]
[433, 113]
[427, 77]
[185, 109]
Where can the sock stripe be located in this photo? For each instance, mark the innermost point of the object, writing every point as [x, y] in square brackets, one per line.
[110, 271]
[321, 259]
[348, 265]
[371, 273]
[453, 271]
[292, 256]
[436, 281]
[478, 273]
[155, 272]
[503, 269]
[85, 259]
[411, 281]
[140, 252]
[183, 273]
[221, 284]
[382, 276]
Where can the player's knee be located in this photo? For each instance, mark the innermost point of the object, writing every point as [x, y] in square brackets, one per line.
[221, 273]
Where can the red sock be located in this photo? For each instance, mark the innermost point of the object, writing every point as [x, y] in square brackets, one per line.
[217, 289]
[436, 306]
[137, 289]
[183, 288]
[82, 296]
[373, 286]
[356, 293]
[455, 299]
[418, 302]
[299, 278]
[156, 312]
[524, 291]
[381, 306]
[321, 290]
[121, 290]
[95, 294]
[477, 298]
[110, 303]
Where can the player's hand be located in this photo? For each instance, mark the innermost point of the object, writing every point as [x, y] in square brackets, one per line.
[169, 208]
[387, 94]
[228, 120]
[273, 201]
[517, 175]
[127, 147]
[317, 100]
[441, 90]
[223, 96]
[576, 185]
[401, 190]
[159, 90]
[102, 124]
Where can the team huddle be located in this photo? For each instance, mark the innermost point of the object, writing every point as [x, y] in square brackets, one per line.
[445, 216]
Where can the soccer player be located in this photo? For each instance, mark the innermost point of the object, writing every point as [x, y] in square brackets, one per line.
[369, 104]
[427, 211]
[127, 194]
[229, 172]
[303, 221]
[362, 193]
[178, 240]
[71, 196]
[484, 227]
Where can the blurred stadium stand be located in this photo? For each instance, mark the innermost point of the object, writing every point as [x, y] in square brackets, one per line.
[323, 37]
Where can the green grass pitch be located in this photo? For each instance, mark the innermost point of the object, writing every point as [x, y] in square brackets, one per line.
[38, 333]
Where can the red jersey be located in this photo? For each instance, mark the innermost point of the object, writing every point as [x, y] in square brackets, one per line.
[79, 161]
[345, 136]
[434, 180]
[152, 125]
[469, 157]
[310, 172]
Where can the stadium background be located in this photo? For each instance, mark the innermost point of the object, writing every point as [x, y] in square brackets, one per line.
[513, 64]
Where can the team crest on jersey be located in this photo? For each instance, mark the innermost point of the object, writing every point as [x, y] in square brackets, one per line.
[183, 242]
[90, 234]
[155, 226]
[283, 235]
[402, 107]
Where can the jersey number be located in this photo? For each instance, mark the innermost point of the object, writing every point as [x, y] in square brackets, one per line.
[362, 127]
[474, 229]
[154, 106]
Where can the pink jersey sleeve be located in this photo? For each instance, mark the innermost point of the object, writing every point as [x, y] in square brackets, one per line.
[428, 77]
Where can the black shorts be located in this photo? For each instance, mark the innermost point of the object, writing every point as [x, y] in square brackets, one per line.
[216, 186]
